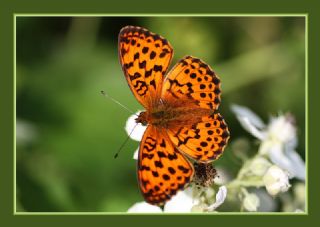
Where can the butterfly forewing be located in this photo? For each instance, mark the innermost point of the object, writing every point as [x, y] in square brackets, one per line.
[180, 112]
[145, 58]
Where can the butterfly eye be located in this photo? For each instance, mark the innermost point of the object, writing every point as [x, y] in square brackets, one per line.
[142, 119]
[144, 123]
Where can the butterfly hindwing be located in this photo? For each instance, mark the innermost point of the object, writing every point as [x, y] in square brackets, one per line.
[181, 117]
[193, 79]
[162, 169]
[204, 141]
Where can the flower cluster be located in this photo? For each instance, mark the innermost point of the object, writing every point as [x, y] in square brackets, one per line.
[278, 140]
[192, 199]
[276, 160]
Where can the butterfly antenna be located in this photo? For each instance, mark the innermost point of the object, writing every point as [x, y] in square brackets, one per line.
[124, 142]
[116, 101]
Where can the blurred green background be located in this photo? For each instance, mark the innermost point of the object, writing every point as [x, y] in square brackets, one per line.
[67, 133]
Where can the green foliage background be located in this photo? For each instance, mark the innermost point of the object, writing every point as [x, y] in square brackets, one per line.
[67, 133]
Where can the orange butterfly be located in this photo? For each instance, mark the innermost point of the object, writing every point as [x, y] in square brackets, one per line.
[181, 119]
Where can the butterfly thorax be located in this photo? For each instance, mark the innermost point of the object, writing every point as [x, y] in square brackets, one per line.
[170, 115]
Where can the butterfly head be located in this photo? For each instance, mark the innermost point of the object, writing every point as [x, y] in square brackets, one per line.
[142, 118]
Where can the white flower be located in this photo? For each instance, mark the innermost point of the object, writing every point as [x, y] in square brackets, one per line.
[251, 202]
[220, 198]
[278, 139]
[189, 200]
[183, 202]
[134, 129]
[249, 121]
[136, 154]
[282, 129]
[276, 180]
[143, 207]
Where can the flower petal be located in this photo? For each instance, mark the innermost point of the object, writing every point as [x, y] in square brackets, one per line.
[143, 207]
[136, 154]
[242, 111]
[298, 169]
[133, 129]
[282, 129]
[249, 121]
[277, 156]
[289, 161]
[181, 202]
[220, 197]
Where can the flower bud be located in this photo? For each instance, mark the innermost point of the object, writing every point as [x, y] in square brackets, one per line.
[251, 202]
[276, 180]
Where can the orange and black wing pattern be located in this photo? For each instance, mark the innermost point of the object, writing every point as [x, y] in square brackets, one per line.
[194, 80]
[204, 141]
[162, 169]
[145, 58]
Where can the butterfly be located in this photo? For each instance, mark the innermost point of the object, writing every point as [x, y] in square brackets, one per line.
[183, 125]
